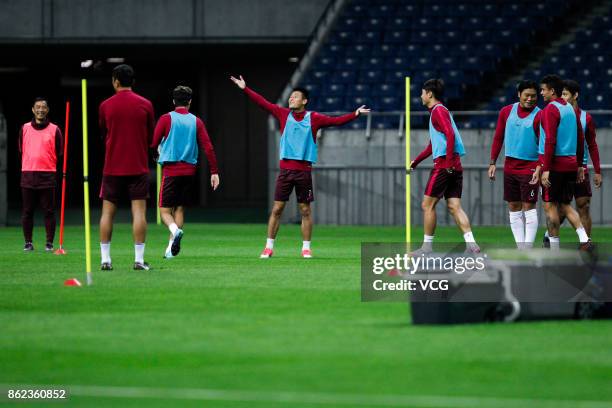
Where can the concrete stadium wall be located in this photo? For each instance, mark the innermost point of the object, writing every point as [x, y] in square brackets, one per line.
[377, 196]
[143, 21]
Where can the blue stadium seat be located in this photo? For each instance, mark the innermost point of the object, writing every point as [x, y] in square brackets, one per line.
[385, 9]
[397, 63]
[348, 24]
[390, 103]
[396, 37]
[342, 37]
[345, 77]
[399, 23]
[373, 63]
[384, 89]
[372, 76]
[384, 51]
[349, 63]
[375, 24]
[358, 50]
[370, 37]
[332, 104]
[326, 63]
[358, 89]
[336, 89]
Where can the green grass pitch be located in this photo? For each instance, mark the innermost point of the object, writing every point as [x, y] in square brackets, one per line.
[283, 332]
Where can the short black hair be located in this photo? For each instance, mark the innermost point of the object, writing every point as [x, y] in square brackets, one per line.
[40, 99]
[182, 95]
[301, 90]
[435, 86]
[572, 86]
[124, 74]
[553, 82]
[526, 84]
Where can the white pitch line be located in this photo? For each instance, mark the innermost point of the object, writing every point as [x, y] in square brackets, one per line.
[331, 399]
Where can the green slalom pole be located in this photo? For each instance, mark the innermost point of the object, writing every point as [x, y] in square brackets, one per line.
[86, 184]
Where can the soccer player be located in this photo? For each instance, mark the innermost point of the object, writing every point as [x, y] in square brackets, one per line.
[582, 191]
[298, 151]
[446, 178]
[40, 145]
[516, 130]
[561, 143]
[179, 135]
[126, 122]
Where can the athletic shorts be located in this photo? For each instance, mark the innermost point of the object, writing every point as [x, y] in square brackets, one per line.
[517, 188]
[175, 191]
[115, 188]
[583, 189]
[562, 187]
[287, 180]
[444, 184]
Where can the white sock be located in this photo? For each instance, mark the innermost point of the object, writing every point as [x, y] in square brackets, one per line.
[173, 228]
[427, 242]
[582, 235]
[305, 245]
[517, 225]
[139, 252]
[531, 227]
[469, 238]
[105, 251]
[546, 234]
[554, 243]
[270, 243]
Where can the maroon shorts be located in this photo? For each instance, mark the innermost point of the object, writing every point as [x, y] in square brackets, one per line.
[561, 189]
[288, 179]
[114, 188]
[444, 184]
[583, 189]
[517, 188]
[175, 191]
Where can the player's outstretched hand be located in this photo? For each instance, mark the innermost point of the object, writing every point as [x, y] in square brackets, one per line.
[214, 181]
[491, 172]
[240, 83]
[410, 168]
[362, 110]
[597, 180]
[546, 179]
[580, 177]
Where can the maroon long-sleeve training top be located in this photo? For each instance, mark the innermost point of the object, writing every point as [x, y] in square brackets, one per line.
[317, 121]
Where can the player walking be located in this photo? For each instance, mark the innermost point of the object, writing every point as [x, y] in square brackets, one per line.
[446, 178]
[561, 142]
[179, 136]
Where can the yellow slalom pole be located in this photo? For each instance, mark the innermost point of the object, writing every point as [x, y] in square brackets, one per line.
[86, 183]
[159, 174]
[408, 225]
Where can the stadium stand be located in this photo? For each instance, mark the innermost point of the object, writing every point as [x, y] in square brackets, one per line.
[472, 44]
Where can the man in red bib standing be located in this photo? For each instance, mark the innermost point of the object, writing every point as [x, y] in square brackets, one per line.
[40, 146]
